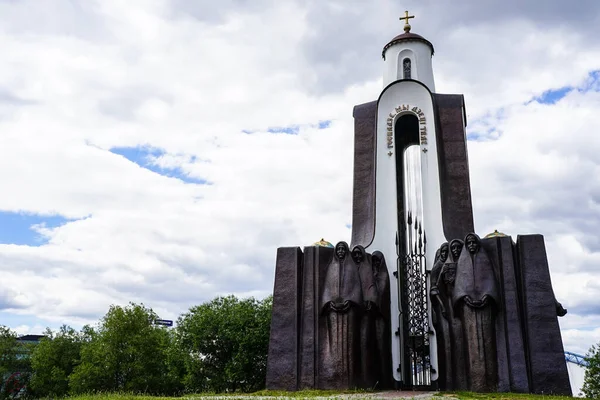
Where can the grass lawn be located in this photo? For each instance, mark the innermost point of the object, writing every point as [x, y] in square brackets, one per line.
[354, 395]
[499, 396]
[303, 394]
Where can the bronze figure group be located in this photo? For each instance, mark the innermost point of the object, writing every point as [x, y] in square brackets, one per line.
[465, 300]
[354, 321]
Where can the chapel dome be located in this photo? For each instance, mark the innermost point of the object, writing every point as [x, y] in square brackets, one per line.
[407, 36]
[323, 243]
[495, 234]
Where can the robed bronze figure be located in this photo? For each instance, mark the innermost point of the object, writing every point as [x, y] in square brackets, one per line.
[340, 322]
[476, 300]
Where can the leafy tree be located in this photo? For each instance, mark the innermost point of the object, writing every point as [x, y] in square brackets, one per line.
[53, 360]
[227, 340]
[8, 350]
[591, 380]
[175, 364]
[14, 363]
[127, 353]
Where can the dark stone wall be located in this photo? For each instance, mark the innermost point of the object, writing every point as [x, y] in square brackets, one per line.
[282, 363]
[544, 348]
[512, 366]
[455, 186]
[457, 210]
[363, 197]
[311, 284]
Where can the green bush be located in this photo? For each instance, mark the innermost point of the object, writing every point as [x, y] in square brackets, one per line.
[128, 353]
[53, 360]
[227, 340]
[219, 346]
[14, 364]
[591, 380]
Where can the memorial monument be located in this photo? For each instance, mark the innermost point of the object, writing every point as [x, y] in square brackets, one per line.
[417, 300]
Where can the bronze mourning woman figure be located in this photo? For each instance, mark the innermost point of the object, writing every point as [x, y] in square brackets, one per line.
[438, 317]
[340, 322]
[475, 299]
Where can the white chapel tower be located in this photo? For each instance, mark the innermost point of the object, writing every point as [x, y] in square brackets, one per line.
[411, 191]
[408, 56]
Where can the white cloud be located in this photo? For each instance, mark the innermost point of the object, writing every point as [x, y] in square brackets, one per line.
[86, 77]
[29, 330]
[576, 340]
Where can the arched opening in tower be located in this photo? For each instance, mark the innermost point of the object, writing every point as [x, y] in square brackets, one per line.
[412, 282]
[408, 169]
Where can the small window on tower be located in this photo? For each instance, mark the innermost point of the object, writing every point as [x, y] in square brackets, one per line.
[406, 68]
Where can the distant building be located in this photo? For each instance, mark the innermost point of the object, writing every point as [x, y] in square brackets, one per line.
[30, 338]
[12, 381]
[27, 340]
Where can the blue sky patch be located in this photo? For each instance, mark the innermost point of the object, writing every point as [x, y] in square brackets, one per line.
[17, 228]
[291, 129]
[288, 130]
[14, 320]
[490, 134]
[595, 75]
[593, 82]
[139, 154]
[143, 156]
[474, 136]
[324, 124]
[553, 95]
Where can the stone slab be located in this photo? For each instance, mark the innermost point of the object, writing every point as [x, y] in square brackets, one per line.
[512, 364]
[455, 186]
[311, 278]
[546, 358]
[363, 197]
[282, 361]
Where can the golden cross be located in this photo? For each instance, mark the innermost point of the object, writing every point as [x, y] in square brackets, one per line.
[406, 17]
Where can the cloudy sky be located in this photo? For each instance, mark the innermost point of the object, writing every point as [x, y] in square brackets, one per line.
[159, 151]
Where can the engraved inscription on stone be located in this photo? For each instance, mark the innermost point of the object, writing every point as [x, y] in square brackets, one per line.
[401, 109]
